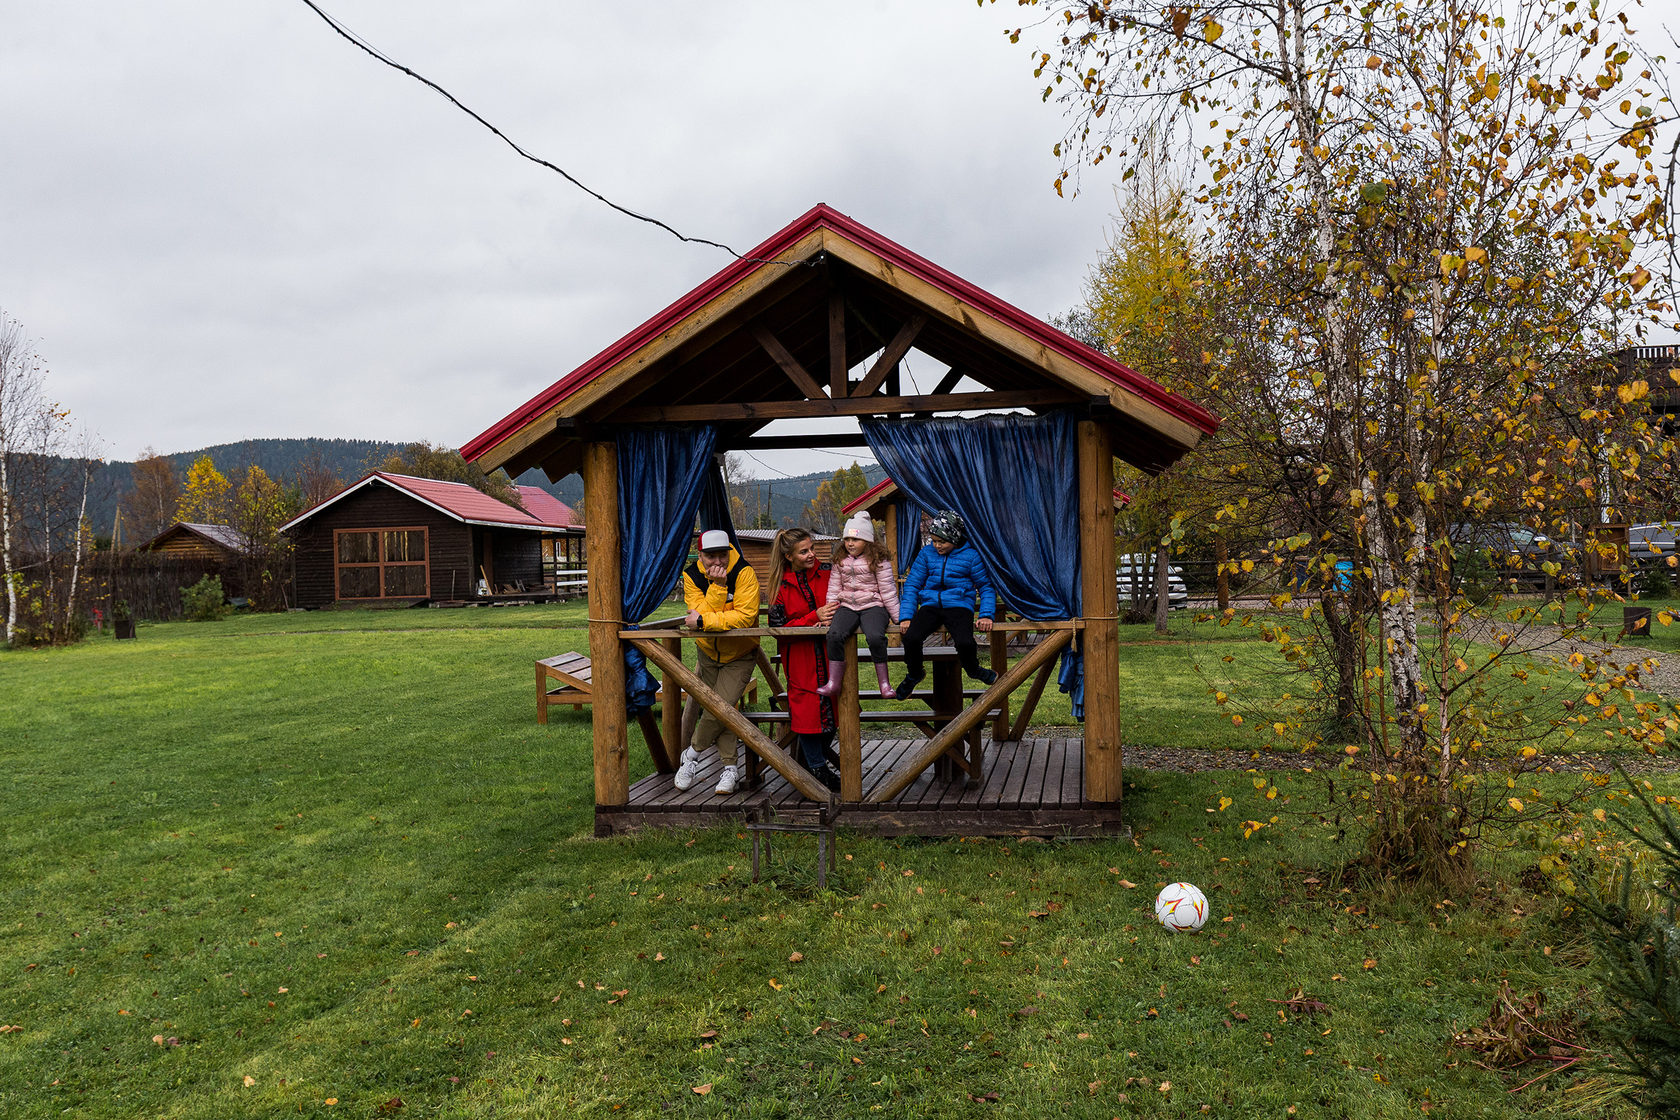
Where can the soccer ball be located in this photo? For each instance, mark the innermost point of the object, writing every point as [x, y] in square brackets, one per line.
[1181, 908]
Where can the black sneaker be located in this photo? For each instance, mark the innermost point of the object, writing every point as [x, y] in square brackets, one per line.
[829, 778]
[986, 677]
[907, 686]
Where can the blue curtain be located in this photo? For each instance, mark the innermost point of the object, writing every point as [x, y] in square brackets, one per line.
[1008, 477]
[662, 473]
[909, 531]
[714, 506]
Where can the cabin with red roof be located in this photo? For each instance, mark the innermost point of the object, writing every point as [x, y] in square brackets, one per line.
[392, 539]
[789, 346]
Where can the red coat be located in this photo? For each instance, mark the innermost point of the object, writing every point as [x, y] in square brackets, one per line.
[804, 660]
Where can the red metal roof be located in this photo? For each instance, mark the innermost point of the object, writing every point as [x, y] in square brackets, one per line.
[867, 496]
[823, 216]
[545, 507]
[456, 499]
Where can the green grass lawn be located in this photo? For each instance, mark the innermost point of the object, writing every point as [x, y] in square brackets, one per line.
[257, 866]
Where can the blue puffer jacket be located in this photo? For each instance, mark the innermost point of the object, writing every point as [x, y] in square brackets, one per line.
[947, 581]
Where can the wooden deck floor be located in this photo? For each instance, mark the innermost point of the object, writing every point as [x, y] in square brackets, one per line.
[1034, 787]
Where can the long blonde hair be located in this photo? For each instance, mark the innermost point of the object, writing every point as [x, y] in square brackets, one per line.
[780, 553]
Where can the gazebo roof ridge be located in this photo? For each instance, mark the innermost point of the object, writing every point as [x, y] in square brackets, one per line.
[1042, 365]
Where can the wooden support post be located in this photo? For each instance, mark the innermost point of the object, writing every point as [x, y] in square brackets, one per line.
[672, 712]
[848, 730]
[542, 694]
[606, 610]
[771, 677]
[1000, 662]
[1101, 641]
[923, 756]
[1031, 705]
[892, 546]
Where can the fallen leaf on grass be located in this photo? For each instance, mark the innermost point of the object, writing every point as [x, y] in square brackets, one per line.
[702, 1090]
[10, 1028]
[796, 958]
[249, 1081]
[1128, 884]
[332, 1100]
[659, 956]
[389, 1107]
[774, 984]
[1370, 964]
[984, 1098]
[1166, 1086]
[708, 1034]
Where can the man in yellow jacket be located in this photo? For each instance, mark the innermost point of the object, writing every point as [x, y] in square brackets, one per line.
[721, 591]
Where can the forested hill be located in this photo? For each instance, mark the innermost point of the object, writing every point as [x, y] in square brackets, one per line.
[786, 498]
[349, 459]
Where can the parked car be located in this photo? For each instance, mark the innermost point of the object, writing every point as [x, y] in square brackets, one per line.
[1141, 568]
[1652, 542]
[1516, 552]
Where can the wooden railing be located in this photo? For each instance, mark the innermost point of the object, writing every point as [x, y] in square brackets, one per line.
[660, 641]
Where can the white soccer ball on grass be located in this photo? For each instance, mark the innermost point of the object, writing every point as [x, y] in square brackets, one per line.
[1181, 908]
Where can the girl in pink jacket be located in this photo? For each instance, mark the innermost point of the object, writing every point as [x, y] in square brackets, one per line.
[864, 586]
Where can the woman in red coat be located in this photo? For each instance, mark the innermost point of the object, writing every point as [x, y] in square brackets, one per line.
[797, 589]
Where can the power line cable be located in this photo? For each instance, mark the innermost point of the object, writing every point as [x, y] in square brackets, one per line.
[373, 52]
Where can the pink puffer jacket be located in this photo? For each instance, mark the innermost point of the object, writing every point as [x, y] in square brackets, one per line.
[853, 584]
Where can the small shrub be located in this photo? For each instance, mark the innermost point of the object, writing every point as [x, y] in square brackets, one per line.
[204, 600]
[1638, 944]
[1654, 581]
[1474, 575]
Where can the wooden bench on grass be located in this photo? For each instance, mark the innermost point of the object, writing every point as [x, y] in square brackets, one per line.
[567, 678]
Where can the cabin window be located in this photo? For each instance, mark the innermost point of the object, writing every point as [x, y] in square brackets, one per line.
[381, 563]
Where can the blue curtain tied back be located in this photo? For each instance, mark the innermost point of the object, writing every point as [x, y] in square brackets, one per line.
[663, 473]
[1007, 476]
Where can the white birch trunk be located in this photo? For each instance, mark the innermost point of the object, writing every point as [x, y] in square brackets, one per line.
[76, 564]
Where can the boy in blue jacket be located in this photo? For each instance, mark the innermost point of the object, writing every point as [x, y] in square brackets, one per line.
[940, 590]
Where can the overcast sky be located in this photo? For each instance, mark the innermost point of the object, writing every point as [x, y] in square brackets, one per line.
[220, 221]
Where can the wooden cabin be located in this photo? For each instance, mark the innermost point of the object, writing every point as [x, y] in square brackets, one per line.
[816, 323]
[198, 541]
[391, 539]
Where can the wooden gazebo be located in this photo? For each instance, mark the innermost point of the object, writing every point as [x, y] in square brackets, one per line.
[818, 323]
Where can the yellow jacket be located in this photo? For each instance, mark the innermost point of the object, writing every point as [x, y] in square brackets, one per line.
[720, 610]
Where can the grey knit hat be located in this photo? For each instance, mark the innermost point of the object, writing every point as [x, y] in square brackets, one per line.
[948, 526]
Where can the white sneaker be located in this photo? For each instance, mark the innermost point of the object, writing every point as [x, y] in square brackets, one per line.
[688, 770]
[726, 780]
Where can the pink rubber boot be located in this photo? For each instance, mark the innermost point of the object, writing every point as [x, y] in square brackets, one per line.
[887, 692]
[836, 674]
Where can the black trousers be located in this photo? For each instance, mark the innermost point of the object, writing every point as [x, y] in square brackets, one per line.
[846, 621]
[814, 747]
[958, 622]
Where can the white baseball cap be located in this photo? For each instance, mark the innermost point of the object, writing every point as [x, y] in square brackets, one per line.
[713, 539]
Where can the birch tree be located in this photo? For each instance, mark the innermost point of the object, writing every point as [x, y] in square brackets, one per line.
[25, 421]
[1430, 217]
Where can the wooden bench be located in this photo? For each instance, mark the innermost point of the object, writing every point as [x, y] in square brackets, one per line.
[574, 676]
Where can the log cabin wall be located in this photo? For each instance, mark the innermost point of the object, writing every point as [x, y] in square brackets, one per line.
[517, 555]
[448, 543]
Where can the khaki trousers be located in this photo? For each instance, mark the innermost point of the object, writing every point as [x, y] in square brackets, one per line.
[729, 680]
